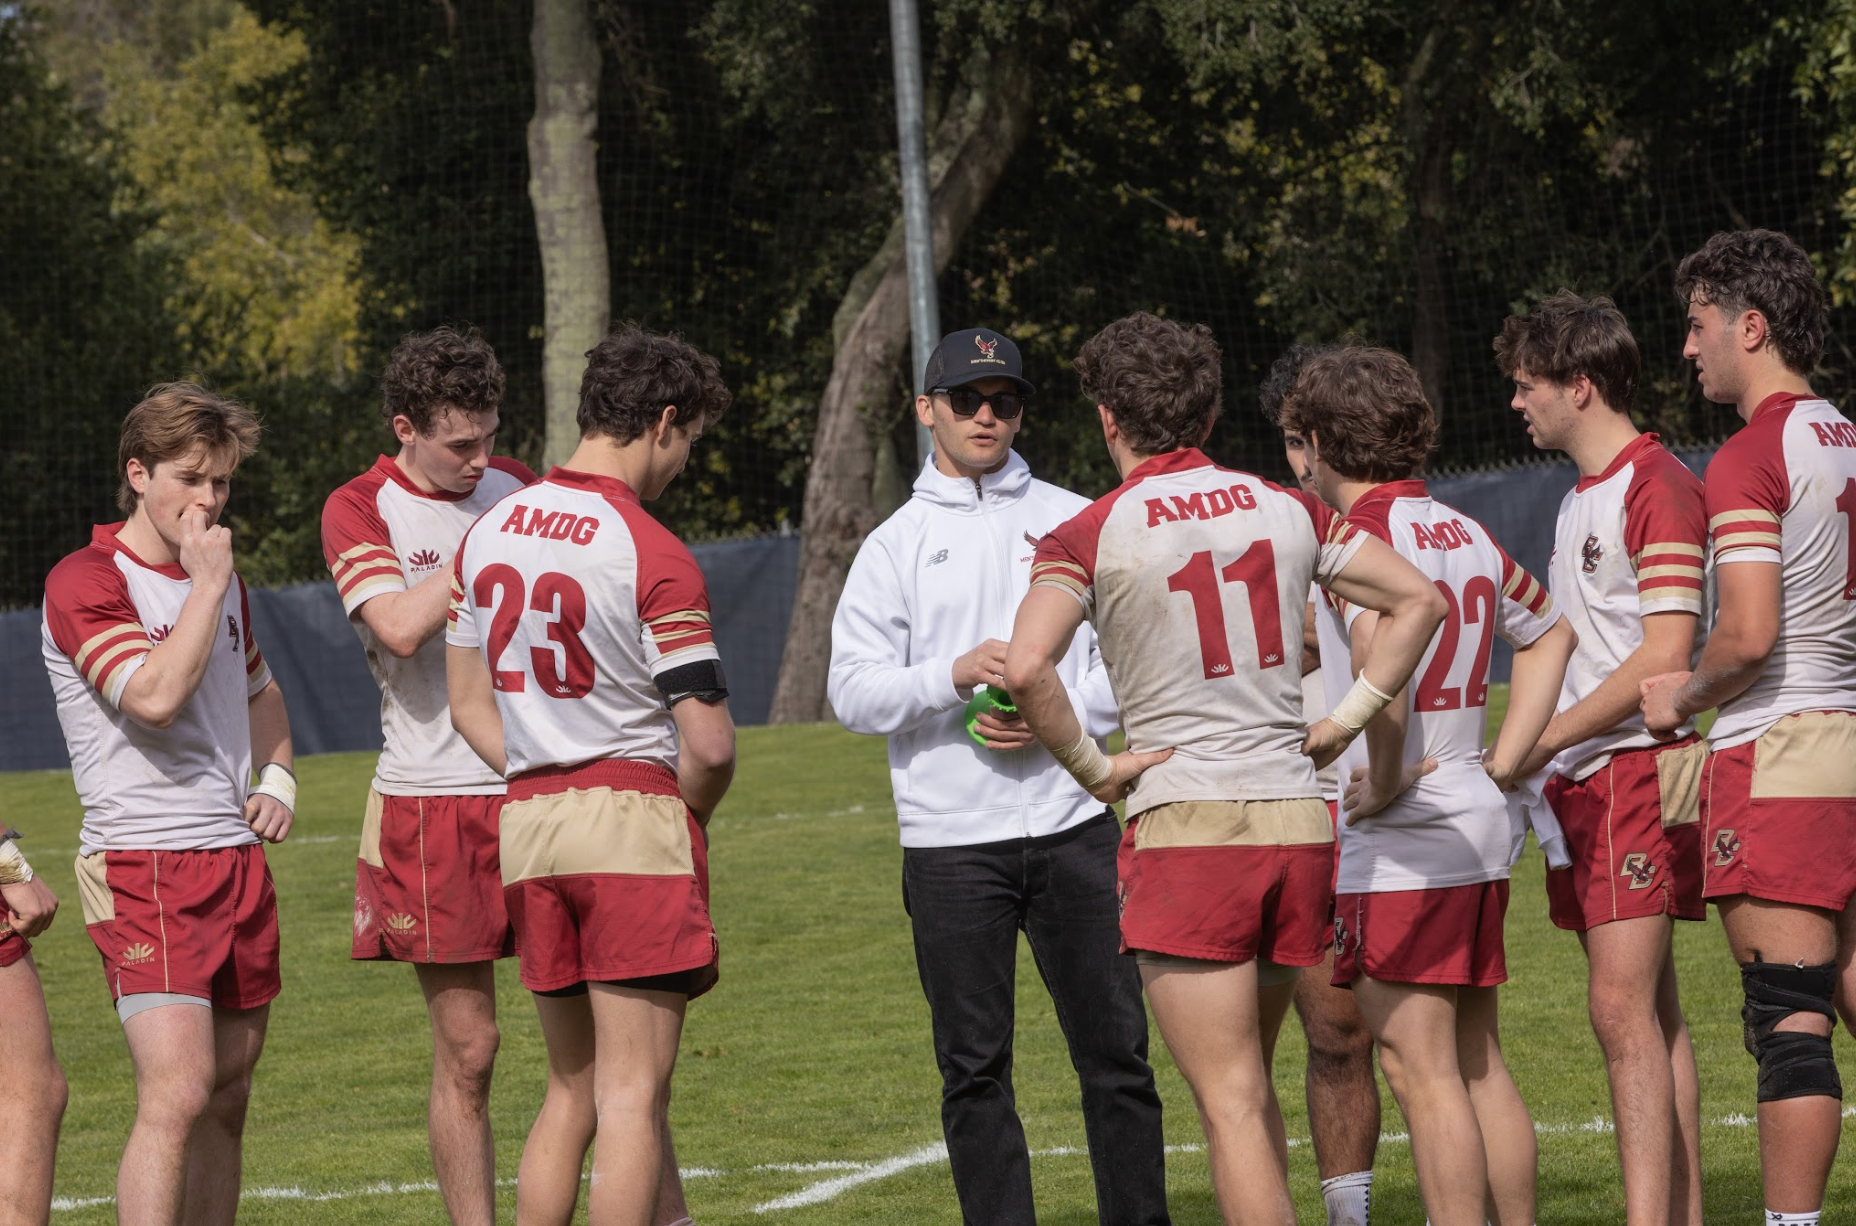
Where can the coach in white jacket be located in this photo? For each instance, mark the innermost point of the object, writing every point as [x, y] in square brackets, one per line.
[995, 838]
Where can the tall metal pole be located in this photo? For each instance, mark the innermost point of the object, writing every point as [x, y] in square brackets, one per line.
[917, 223]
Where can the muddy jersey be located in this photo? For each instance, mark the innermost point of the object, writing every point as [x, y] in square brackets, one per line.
[1629, 542]
[1451, 827]
[382, 534]
[1196, 578]
[579, 601]
[178, 788]
[1783, 490]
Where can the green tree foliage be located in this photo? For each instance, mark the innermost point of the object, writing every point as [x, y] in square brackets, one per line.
[82, 315]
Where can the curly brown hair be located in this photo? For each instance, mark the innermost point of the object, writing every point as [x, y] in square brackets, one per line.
[1567, 336]
[1163, 381]
[633, 376]
[1765, 271]
[174, 419]
[1364, 413]
[433, 372]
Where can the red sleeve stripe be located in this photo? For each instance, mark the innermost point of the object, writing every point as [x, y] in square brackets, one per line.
[457, 598]
[683, 628]
[361, 554]
[1065, 576]
[1668, 553]
[254, 662]
[123, 635]
[1524, 590]
[111, 672]
[1340, 531]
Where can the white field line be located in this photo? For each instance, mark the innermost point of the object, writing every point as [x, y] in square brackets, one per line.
[854, 1174]
[828, 1189]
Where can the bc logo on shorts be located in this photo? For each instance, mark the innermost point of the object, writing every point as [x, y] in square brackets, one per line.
[1638, 868]
[1726, 847]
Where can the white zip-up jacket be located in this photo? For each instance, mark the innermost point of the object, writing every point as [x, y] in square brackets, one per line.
[936, 579]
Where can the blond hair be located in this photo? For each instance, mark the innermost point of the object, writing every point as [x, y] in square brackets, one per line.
[174, 420]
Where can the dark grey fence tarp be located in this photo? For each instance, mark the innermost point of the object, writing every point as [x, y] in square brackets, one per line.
[335, 706]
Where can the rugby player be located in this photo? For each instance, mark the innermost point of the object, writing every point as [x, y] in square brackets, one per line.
[1196, 579]
[32, 1086]
[1425, 844]
[581, 668]
[166, 702]
[1778, 792]
[427, 887]
[1627, 568]
[1338, 1083]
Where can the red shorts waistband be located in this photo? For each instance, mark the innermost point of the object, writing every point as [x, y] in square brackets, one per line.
[619, 774]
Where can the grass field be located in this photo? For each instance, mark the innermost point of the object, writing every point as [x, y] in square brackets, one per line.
[806, 1091]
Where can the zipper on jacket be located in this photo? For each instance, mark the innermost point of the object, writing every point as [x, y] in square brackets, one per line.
[1002, 573]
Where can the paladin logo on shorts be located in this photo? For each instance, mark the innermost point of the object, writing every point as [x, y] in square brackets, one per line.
[1638, 868]
[138, 953]
[401, 923]
[1726, 846]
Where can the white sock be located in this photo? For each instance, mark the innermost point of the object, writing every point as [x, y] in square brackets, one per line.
[1791, 1219]
[1349, 1198]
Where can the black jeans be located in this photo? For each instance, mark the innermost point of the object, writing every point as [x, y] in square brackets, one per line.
[967, 905]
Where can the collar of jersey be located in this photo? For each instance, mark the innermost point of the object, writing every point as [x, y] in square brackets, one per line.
[1630, 451]
[394, 473]
[956, 493]
[108, 537]
[1778, 401]
[610, 487]
[1168, 462]
[1389, 491]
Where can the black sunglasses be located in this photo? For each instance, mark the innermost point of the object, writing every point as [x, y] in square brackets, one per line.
[966, 402]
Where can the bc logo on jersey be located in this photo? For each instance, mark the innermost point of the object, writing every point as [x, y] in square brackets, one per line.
[1590, 555]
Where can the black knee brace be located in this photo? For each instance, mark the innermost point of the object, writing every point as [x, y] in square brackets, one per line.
[1792, 1064]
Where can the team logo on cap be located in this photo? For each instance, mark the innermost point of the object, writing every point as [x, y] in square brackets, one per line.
[986, 347]
[1590, 555]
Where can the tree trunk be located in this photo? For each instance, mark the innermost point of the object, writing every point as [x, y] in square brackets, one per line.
[563, 186]
[985, 120]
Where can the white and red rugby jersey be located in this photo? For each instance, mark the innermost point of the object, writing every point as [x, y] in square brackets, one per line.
[1784, 490]
[381, 533]
[1629, 542]
[1196, 578]
[1451, 828]
[578, 599]
[182, 787]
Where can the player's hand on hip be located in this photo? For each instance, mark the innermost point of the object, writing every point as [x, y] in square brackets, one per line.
[1004, 733]
[1362, 799]
[1123, 770]
[270, 819]
[984, 665]
[1658, 694]
[205, 550]
[1325, 741]
[29, 907]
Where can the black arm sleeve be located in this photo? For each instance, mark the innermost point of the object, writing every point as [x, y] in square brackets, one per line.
[700, 679]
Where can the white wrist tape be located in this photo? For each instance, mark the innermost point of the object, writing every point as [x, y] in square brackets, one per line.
[13, 867]
[279, 783]
[1361, 703]
[1084, 759]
